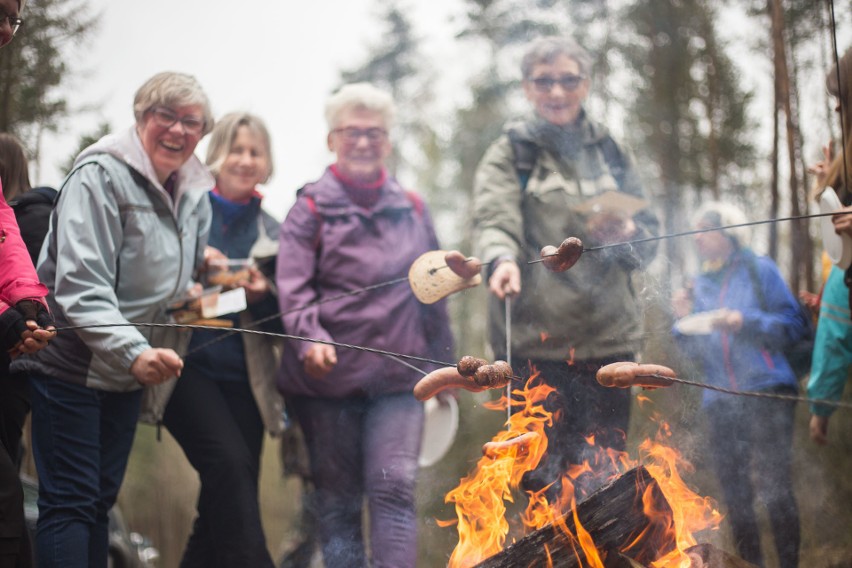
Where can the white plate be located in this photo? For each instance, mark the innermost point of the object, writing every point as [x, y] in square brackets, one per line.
[439, 429]
[838, 247]
[698, 324]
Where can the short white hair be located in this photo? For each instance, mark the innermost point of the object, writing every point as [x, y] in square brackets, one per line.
[721, 214]
[359, 96]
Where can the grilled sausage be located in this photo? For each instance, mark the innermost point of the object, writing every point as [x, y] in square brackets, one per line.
[468, 365]
[522, 443]
[443, 379]
[562, 258]
[465, 267]
[625, 374]
[493, 376]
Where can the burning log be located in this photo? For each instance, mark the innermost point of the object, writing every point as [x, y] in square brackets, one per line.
[613, 516]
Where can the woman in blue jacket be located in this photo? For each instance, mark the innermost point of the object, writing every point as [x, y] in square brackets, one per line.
[753, 316]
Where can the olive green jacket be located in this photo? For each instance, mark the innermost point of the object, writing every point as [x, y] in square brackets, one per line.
[590, 311]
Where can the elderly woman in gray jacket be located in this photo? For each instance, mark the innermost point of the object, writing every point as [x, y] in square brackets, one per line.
[127, 234]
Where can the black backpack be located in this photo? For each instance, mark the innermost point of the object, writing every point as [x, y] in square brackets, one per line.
[32, 212]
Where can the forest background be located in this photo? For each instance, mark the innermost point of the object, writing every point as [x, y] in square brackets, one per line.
[718, 99]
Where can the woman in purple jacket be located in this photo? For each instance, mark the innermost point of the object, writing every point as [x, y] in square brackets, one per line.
[353, 228]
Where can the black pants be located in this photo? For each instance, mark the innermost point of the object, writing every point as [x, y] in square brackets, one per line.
[15, 547]
[751, 435]
[218, 425]
[582, 408]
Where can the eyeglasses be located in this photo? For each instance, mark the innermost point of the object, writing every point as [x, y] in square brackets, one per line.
[567, 82]
[166, 118]
[14, 21]
[351, 135]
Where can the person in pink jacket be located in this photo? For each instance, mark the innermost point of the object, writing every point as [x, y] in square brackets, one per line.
[25, 327]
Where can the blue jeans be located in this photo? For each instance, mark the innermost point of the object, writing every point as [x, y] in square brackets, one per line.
[81, 442]
[364, 447]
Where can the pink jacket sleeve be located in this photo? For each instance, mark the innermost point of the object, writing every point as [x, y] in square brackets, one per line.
[18, 278]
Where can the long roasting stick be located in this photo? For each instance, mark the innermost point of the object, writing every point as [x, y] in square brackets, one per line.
[693, 232]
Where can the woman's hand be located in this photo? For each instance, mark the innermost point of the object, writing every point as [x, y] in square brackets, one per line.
[820, 169]
[320, 360]
[212, 254]
[819, 429]
[35, 338]
[681, 303]
[506, 280]
[154, 366]
[843, 221]
[730, 321]
[256, 286]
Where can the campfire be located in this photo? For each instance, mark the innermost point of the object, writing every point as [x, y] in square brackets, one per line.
[643, 515]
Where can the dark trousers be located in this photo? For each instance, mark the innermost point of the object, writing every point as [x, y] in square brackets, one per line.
[582, 408]
[81, 443]
[751, 435]
[219, 427]
[15, 551]
[361, 447]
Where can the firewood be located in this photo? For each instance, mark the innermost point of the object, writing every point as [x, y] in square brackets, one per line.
[612, 516]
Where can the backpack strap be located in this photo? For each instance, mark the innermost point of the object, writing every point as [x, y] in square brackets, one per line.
[526, 154]
[416, 202]
[614, 158]
[526, 151]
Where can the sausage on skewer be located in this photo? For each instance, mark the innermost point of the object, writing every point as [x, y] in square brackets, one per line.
[625, 374]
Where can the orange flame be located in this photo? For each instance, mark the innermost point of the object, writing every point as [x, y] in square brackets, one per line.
[481, 496]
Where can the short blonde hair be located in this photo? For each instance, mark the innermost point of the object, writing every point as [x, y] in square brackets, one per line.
[359, 96]
[224, 134]
[721, 214]
[172, 90]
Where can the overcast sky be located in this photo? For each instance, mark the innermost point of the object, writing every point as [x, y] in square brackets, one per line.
[276, 58]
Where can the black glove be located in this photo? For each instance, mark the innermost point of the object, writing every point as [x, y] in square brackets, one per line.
[13, 322]
[32, 310]
[12, 325]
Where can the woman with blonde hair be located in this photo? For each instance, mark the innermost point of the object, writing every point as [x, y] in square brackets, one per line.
[226, 395]
[126, 236]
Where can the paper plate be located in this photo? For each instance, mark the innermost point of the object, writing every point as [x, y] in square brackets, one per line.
[698, 324]
[439, 429]
[838, 247]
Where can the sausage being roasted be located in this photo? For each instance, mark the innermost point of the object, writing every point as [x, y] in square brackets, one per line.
[625, 374]
[520, 444]
[562, 258]
[443, 379]
[461, 265]
[471, 374]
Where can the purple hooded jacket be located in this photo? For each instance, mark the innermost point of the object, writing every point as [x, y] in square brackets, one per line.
[329, 246]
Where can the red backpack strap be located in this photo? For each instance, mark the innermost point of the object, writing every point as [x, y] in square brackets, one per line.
[416, 202]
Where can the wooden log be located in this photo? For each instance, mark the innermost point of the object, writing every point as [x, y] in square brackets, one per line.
[614, 518]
